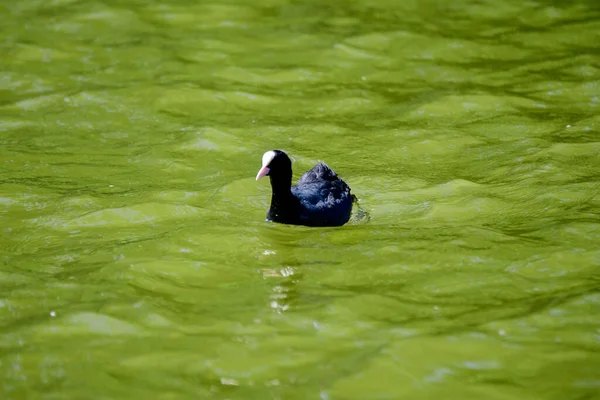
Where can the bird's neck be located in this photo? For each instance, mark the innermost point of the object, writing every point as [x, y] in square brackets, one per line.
[283, 203]
[281, 189]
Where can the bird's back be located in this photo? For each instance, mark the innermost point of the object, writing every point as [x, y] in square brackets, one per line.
[320, 172]
[324, 197]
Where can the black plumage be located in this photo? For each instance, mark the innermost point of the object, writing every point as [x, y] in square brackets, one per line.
[320, 198]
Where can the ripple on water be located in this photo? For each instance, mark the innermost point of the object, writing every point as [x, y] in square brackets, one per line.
[212, 139]
[84, 323]
[148, 213]
[185, 100]
[269, 76]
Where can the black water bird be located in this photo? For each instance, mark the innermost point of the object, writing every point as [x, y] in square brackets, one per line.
[320, 198]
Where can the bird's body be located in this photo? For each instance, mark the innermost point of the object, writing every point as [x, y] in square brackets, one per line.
[320, 198]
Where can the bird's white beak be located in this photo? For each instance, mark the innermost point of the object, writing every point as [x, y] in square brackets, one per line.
[262, 172]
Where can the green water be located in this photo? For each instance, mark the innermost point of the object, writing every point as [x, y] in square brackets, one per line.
[135, 261]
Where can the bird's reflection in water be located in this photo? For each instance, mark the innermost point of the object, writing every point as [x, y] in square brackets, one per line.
[287, 255]
[288, 292]
[284, 292]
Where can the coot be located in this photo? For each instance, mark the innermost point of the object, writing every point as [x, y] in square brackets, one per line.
[319, 199]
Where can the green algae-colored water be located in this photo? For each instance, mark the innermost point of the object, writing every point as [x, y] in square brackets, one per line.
[135, 261]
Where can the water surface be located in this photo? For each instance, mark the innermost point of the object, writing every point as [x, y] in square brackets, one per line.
[135, 259]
